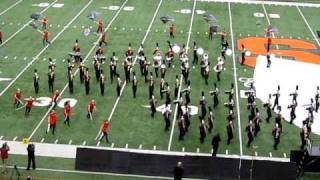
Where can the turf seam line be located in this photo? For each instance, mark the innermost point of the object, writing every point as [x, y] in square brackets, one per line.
[87, 56]
[25, 25]
[308, 25]
[181, 77]
[235, 80]
[10, 7]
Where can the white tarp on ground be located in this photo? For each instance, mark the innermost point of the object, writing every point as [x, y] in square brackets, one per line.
[288, 74]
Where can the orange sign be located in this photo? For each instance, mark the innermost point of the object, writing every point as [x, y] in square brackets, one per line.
[300, 50]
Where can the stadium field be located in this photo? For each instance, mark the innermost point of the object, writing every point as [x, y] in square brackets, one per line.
[295, 55]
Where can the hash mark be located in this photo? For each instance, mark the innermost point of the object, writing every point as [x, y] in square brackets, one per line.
[56, 141]
[42, 140]
[270, 154]
[84, 143]
[227, 151]
[198, 150]
[70, 142]
[154, 147]
[15, 138]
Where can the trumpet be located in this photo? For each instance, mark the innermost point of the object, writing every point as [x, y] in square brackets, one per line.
[185, 90]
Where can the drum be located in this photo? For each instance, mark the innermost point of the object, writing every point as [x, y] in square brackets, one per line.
[228, 52]
[200, 51]
[176, 49]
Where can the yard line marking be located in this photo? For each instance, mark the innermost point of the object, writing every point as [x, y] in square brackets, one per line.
[140, 146]
[42, 140]
[154, 147]
[308, 25]
[1, 137]
[87, 56]
[25, 25]
[181, 77]
[183, 149]
[15, 138]
[98, 143]
[56, 141]
[135, 59]
[126, 146]
[284, 155]
[112, 145]
[270, 154]
[236, 82]
[227, 152]
[45, 48]
[256, 153]
[10, 7]
[198, 150]
[70, 141]
[84, 143]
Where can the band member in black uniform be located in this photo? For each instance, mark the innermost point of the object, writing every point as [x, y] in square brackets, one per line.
[51, 77]
[187, 117]
[215, 144]
[276, 100]
[317, 98]
[203, 130]
[229, 105]
[215, 94]
[230, 116]
[293, 107]
[166, 115]
[276, 132]
[113, 67]
[185, 70]
[167, 92]
[141, 58]
[230, 92]
[250, 133]
[268, 60]
[195, 54]
[304, 135]
[101, 82]
[243, 54]
[126, 68]
[97, 68]
[229, 131]
[256, 121]
[163, 70]
[210, 120]
[70, 81]
[81, 72]
[153, 103]
[134, 85]
[187, 92]
[87, 78]
[176, 86]
[268, 108]
[119, 83]
[146, 65]
[162, 86]
[151, 85]
[278, 119]
[295, 94]
[206, 74]
[182, 128]
[36, 81]
[203, 104]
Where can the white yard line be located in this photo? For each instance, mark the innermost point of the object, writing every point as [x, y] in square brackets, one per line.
[181, 77]
[25, 25]
[265, 2]
[101, 173]
[308, 25]
[45, 48]
[135, 59]
[235, 80]
[87, 56]
[10, 7]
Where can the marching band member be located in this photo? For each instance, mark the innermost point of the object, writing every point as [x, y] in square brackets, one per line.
[215, 94]
[103, 39]
[167, 92]
[70, 81]
[51, 78]
[113, 67]
[203, 130]
[170, 56]
[119, 84]
[52, 121]
[101, 83]
[45, 22]
[163, 70]
[317, 98]
[29, 105]
[185, 67]
[100, 26]
[182, 128]
[162, 86]
[97, 69]
[146, 65]
[304, 136]
[195, 54]
[87, 78]
[54, 99]
[156, 50]
[210, 32]
[230, 92]
[219, 67]
[127, 67]
[141, 60]
[81, 72]
[166, 114]
[36, 81]
[17, 98]
[1, 35]
[187, 92]
[276, 100]
[243, 54]
[129, 53]
[295, 94]
[256, 121]
[223, 35]
[171, 30]
[134, 85]
[153, 103]
[293, 107]
[229, 128]
[157, 62]
[210, 120]
[76, 51]
[45, 37]
[203, 104]
[100, 55]
[250, 133]
[268, 106]
[176, 86]
[276, 132]
[104, 129]
[151, 85]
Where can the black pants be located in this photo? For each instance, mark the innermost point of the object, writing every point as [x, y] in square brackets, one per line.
[104, 134]
[27, 112]
[182, 132]
[31, 160]
[118, 91]
[167, 121]
[67, 120]
[87, 87]
[269, 114]
[50, 86]
[156, 71]
[230, 137]
[134, 91]
[215, 150]
[215, 101]
[53, 128]
[153, 111]
[218, 76]
[250, 140]
[276, 142]
[36, 87]
[45, 41]
[70, 87]
[102, 89]
[292, 116]
[89, 114]
[195, 59]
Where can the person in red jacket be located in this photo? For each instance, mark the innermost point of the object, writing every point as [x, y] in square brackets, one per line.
[17, 98]
[0, 37]
[45, 22]
[54, 99]
[4, 156]
[171, 30]
[90, 108]
[45, 37]
[100, 26]
[29, 105]
[67, 113]
[104, 128]
[52, 122]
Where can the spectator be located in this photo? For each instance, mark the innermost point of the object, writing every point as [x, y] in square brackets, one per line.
[4, 156]
[178, 171]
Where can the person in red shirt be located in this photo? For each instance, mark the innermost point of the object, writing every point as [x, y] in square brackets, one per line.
[52, 121]
[17, 98]
[55, 98]
[103, 39]
[269, 44]
[104, 128]
[29, 105]
[100, 25]
[76, 51]
[90, 108]
[4, 156]
[223, 36]
[67, 113]
[0, 37]
[171, 30]
[45, 22]
[45, 37]
[210, 33]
